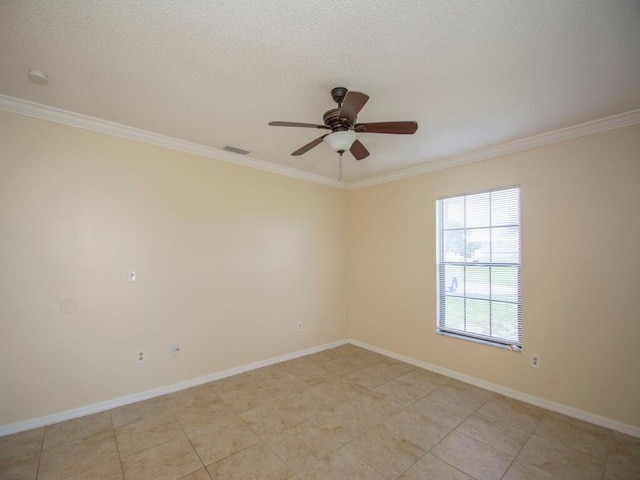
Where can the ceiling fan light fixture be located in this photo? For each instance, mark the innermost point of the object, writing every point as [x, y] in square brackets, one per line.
[341, 122]
[340, 141]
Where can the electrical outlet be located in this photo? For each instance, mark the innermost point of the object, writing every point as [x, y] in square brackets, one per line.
[535, 360]
[299, 326]
[140, 357]
[175, 350]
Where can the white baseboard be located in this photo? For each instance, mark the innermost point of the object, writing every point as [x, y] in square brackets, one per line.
[508, 392]
[156, 392]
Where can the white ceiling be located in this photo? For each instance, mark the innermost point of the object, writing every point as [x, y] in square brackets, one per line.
[472, 74]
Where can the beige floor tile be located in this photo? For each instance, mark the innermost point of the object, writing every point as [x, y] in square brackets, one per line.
[378, 405]
[582, 436]
[247, 398]
[495, 433]
[196, 396]
[543, 459]
[341, 465]
[442, 410]
[78, 429]
[20, 467]
[221, 439]
[267, 421]
[167, 461]
[302, 446]
[308, 371]
[281, 387]
[284, 391]
[400, 393]
[19, 444]
[339, 389]
[463, 394]
[269, 373]
[375, 421]
[108, 471]
[416, 428]
[201, 474]
[323, 357]
[270, 377]
[473, 457]
[344, 422]
[66, 459]
[347, 364]
[378, 373]
[432, 468]
[198, 415]
[141, 410]
[257, 462]
[424, 380]
[623, 461]
[369, 356]
[234, 382]
[134, 437]
[385, 452]
[513, 412]
[308, 402]
[621, 471]
[624, 449]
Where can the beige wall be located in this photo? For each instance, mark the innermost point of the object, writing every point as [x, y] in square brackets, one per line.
[581, 272]
[228, 258]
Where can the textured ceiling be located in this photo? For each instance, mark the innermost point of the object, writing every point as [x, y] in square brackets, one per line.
[473, 74]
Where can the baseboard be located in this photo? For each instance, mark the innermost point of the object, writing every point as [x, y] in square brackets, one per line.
[175, 387]
[156, 392]
[508, 392]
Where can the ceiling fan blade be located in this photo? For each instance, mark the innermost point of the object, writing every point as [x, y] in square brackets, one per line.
[353, 103]
[358, 150]
[308, 146]
[402, 128]
[295, 124]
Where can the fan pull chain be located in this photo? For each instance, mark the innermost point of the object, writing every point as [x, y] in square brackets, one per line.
[340, 168]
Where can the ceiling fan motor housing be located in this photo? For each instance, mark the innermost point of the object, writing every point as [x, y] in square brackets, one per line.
[331, 119]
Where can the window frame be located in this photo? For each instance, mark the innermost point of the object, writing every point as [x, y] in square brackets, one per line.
[441, 263]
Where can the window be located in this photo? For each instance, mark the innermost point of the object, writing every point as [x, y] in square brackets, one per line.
[479, 266]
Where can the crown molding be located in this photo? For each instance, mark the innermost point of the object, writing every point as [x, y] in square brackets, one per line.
[57, 115]
[583, 129]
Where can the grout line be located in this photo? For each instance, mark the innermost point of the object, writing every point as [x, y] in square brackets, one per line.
[426, 452]
[40, 453]
[190, 443]
[515, 457]
[570, 445]
[115, 439]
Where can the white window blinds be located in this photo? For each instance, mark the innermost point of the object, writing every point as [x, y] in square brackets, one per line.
[479, 266]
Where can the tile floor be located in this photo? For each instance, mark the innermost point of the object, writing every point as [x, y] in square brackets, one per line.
[345, 413]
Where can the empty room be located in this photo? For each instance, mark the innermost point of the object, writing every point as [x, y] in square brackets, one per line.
[319, 240]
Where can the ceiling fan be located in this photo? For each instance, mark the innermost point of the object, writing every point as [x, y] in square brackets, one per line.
[342, 123]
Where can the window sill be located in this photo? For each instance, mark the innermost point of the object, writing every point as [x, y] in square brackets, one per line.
[511, 348]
